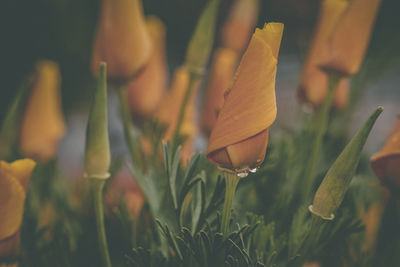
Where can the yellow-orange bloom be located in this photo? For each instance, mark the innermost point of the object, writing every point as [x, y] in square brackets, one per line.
[43, 124]
[170, 107]
[313, 86]
[241, 21]
[386, 163]
[240, 136]
[345, 48]
[14, 180]
[220, 77]
[121, 40]
[145, 91]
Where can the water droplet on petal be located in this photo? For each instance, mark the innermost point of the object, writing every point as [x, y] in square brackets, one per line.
[242, 174]
[253, 170]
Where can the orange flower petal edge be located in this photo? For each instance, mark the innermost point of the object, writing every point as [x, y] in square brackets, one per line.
[224, 64]
[313, 86]
[43, 124]
[121, 39]
[386, 163]
[241, 21]
[250, 105]
[344, 50]
[14, 180]
[144, 92]
[169, 109]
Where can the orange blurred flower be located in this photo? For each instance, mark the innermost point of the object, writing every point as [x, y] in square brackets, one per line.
[168, 112]
[222, 70]
[240, 136]
[43, 124]
[386, 163]
[241, 21]
[344, 50]
[14, 181]
[169, 109]
[145, 91]
[313, 86]
[121, 40]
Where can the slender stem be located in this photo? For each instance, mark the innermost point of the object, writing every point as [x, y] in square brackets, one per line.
[192, 80]
[320, 130]
[310, 241]
[97, 194]
[231, 181]
[127, 123]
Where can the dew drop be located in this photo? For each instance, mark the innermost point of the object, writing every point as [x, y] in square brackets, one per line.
[253, 170]
[242, 174]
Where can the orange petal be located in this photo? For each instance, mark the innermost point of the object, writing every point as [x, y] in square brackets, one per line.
[121, 39]
[346, 46]
[43, 124]
[313, 85]
[250, 106]
[9, 246]
[386, 163]
[241, 21]
[224, 63]
[170, 107]
[13, 182]
[144, 92]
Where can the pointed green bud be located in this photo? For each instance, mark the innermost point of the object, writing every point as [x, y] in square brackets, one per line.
[97, 150]
[199, 49]
[9, 131]
[331, 192]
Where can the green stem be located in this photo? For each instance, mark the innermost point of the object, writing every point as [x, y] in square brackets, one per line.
[320, 130]
[127, 123]
[97, 194]
[306, 250]
[192, 80]
[231, 181]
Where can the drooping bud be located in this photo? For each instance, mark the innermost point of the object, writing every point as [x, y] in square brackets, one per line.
[43, 123]
[121, 39]
[334, 186]
[97, 150]
[345, 48]
[145, 91]
[313, 86]
[14, 181]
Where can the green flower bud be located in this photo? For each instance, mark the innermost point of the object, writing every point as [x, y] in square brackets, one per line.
[200, 45]
[97, 150]
[331, 192]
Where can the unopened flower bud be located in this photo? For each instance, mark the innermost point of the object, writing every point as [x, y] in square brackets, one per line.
[334, 186]
[97, 150]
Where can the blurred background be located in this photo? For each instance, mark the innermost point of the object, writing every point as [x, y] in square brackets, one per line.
[63, 31]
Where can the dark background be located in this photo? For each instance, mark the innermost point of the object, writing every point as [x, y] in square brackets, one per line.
[62, 30]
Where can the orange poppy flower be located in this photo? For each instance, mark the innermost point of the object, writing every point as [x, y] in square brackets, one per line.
[313, 86]
[14, 181]
[144, 92]
[43, 124]
[219, 79]
[345, 48]
[241, 21]
[386, 163]
[240, 136]
[170, 107]
[121, 39]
